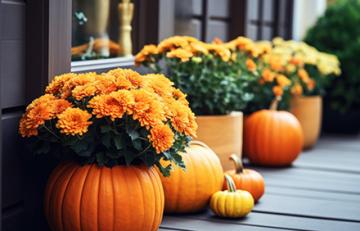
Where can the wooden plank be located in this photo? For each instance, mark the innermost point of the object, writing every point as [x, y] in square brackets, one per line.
[312, 179]
[340, 143]
[279, 221]
[330, 160]
[309, 207]
[308, 193]
[187, 223]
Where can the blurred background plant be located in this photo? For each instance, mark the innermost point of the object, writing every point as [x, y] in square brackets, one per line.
[338, 32]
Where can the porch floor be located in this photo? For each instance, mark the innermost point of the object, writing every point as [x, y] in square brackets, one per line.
[321, 191]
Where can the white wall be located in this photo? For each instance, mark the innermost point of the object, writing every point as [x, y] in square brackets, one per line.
[305, 14]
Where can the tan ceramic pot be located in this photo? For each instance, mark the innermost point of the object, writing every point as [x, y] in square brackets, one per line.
[223, 134]
[308, 110]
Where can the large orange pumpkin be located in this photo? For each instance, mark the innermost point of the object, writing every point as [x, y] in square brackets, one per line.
[190, 190]
[246, 179]
[272, 138]
[90, 198]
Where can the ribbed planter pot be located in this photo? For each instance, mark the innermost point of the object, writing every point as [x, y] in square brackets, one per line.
[223, 134]
[308, 110]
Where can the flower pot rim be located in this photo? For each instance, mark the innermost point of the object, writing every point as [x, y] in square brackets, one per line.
[231, 114]
[307, 97]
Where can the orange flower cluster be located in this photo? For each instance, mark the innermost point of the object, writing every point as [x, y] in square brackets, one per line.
[73, 102]
[183, 48]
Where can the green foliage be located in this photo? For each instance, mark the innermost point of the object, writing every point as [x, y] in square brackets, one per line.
[338, 32]
[213, 86]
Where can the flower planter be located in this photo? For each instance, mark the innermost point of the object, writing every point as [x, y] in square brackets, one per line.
[100, 198]
[308, 110]
[223, 134]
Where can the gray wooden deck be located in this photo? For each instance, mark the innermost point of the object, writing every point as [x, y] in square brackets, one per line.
[321, 191]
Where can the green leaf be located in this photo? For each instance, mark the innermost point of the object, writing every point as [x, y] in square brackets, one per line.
[106, 140]
[129, 156]
[119, 142]
[106, 128]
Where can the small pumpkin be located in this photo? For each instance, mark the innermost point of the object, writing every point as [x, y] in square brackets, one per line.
[93, 198]
[231, 203]
[246, 179]
[272, 138]
[190, 190]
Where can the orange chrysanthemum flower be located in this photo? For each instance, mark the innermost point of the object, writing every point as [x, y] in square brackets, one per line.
[161, 138]
[267, 75]
[159, 84]
[250, 65]
[42, 99]
[182, 119]
[174, 43]
[180, 53]
[126, 78]
[278, 91]
[304, 76]
[297, 90]
[311, 84]
[199, 47]
[283, 81]
[147, 109]
[275, 64]
[144, 54]
[78, 80]
[220, 50]
[73, 121]
[113, 105]
[59, 105]
[58, 83]
[34, 118]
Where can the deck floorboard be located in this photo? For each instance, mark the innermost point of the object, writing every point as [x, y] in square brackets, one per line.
[321, 191]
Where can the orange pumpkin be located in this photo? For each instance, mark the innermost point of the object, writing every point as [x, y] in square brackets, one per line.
[272, 138]
[246, 179]
[190, 190]
[93, 198]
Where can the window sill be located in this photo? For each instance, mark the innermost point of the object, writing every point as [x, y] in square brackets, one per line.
[101, 64]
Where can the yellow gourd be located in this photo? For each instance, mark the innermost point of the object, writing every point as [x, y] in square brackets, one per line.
[231, 203]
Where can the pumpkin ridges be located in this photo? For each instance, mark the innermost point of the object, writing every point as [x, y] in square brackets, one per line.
[158, 190]
[82, 196]
[141, 198]
[65, 186]
[104, 204]
[59, 170]
[89, 201]
[194, 183]
[72, 198]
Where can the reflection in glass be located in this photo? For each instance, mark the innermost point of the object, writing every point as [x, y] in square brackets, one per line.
[95, 29]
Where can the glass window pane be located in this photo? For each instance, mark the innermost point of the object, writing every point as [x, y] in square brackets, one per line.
[95, 29]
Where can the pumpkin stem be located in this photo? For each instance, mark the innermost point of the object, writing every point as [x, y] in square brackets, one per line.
[275, 103]
[230, 183]
[239, 167]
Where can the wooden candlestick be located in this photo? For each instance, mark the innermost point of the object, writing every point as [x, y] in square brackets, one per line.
[126, 12]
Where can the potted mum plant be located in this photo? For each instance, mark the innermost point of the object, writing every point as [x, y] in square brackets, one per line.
[204, 72]
[310, 72]
[336, 32]
[262, 71]
[110, 130]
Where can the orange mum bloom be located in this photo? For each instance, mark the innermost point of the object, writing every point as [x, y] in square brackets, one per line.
[275, 64]
[282, 80]
[34, 118]
[182, 54]
[182, 119]
[59, 105]
[161, 138]
[144, 54]
[198, 47]
[73, 121]
[113, 105]
[251, 65]
[220, 50]
[126, 78]
[267, 75]
[159, 84]
[147, 109]
[278, 91]
[174, 43]
[297, 90]
[311, 84]
[304, 76]
[58, 82]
